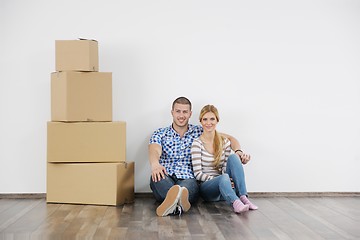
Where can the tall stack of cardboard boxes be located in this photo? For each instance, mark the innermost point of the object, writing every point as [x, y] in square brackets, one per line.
[86, 150]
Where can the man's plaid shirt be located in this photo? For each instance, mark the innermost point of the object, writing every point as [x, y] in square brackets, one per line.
[176, 151]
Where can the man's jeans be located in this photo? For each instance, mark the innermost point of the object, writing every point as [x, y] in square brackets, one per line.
[219, 188]
[161, 187]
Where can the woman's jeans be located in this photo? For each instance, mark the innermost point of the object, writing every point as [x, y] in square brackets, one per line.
[161, 187]
[219, 188]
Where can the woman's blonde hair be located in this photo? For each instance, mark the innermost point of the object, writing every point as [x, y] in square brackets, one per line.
[218, 139]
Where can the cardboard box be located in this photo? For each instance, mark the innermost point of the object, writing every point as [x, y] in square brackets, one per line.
[90, 183]
[86, 142]
[76, 55]
[81, 96]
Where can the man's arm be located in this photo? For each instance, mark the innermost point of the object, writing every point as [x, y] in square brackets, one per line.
[235, 145]
[157, 170]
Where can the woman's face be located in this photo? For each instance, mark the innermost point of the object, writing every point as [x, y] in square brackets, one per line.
[209, 122]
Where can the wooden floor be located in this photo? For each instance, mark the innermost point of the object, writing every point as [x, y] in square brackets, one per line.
[277, 218]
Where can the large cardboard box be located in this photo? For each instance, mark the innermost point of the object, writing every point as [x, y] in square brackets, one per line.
[76, 55]
[86, 142]
[81, 96]
[90, 183]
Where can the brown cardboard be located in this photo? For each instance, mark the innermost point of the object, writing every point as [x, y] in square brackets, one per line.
[90, 183]
[81, 96]
[86, 142]
[76, 55]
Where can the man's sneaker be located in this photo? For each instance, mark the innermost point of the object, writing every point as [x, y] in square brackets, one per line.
[184, 199]
[178, 211]
[170, 202]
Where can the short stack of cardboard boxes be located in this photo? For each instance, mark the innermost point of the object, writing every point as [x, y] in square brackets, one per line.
[86, 150]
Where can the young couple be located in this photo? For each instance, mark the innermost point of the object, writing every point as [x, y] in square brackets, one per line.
[183, 154]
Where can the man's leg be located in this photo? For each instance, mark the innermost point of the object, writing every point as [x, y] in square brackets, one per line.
[192, 186]
[161, 187]
[168, 193]
[170, 203]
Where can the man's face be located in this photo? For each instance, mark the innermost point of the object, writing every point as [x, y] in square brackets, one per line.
[181, 114]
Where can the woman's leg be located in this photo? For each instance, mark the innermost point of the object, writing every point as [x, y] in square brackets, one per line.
[220, 186]
[235, 170]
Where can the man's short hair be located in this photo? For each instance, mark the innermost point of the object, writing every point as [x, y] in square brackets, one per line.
[181, 100]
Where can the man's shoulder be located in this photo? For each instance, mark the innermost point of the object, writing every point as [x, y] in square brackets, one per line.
[163, 132]
[159, 134]
[195, 130]
[163, 129]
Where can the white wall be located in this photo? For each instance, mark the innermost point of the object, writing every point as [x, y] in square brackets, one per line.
[284, 75]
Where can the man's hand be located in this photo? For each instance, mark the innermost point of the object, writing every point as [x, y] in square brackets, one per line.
[245, 158]
[157, 172]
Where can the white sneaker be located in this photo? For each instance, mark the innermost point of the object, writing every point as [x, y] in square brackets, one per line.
[184, 199]
[168, 206]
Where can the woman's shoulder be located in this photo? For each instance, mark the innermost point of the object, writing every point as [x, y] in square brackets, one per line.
[197, 141]
[226, 141]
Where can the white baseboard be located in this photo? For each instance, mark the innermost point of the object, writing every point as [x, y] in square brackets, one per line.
[251, 194]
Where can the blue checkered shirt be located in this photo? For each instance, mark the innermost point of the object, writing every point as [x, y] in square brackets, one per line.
[176, 155]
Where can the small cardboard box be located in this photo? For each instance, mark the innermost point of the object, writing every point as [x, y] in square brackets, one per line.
[90, 183]
[86, 142]
[76, 55]
[81, 96]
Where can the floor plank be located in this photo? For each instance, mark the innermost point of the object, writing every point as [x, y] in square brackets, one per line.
[279, 212]
[319, 217]
[16, 211]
